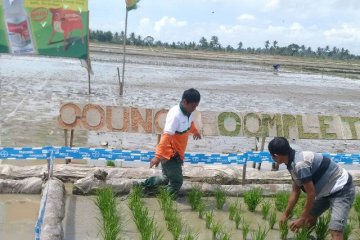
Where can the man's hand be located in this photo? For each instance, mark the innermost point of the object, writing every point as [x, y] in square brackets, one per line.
[154, 162]
[283, 219]
[197, 136]
[297, 224]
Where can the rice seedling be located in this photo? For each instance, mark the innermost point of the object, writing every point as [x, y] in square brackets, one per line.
[259, 234]
[110, 163]
[156, 234]
[191, 236]
[145, 224]
[321, 227]
[265, 208]
[201, 209]
[164, 198]
[209, 216]
[220, 197]
[237, 219]
[216, 230]
[135, 197]
[303, 234]
[284, 231]
[111, 224]
[232, 210]
[253, 198]
[357, 203]
[299, 207]
[225, 236]
[347, 231]
[175, 226]
[245, 229]
[194, 197]
[281, 200]
[173, 221]
[272, 219]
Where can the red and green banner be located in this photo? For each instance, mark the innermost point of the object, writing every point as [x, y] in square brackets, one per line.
[45, 27]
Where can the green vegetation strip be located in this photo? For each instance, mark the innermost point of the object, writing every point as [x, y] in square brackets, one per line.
[173, 220]
[144, 222]
[253, 198]
[110, 222]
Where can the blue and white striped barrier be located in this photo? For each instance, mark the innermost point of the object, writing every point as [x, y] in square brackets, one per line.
[49, 151]
[40, 219]
[146, 156]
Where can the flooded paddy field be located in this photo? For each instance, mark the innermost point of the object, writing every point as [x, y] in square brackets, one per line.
[18, 214]
[32, 89]
[78, 225]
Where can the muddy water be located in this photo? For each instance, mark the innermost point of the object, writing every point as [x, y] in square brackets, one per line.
[32, 89]
[18, 215]
[222, 216]
[82, 219]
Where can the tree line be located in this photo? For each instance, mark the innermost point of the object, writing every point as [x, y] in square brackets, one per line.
[213, 44]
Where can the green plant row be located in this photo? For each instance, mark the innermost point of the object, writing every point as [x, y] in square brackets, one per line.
[144, 222]
[110, 218]
[173, 220]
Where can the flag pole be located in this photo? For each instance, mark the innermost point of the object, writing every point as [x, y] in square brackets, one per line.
[124, 54]
[88, 65]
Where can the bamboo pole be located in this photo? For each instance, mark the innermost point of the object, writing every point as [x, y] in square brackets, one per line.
[66, 137]
[71, 137]
[124, 53]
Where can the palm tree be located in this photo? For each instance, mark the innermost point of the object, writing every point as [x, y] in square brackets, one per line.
[214, 42]
[132, 38]
[267, 44]
[275, 44]
[149, 40]
[203, 43]
[240, 45]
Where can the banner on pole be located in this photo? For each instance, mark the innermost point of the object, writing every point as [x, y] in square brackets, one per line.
[44, 27]
[131, 4]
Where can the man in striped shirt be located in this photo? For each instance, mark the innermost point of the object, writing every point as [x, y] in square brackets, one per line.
[170, 151]
[325, 183]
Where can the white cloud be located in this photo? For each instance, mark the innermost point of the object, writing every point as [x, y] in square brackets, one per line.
[271, 5]
[275, 29]
[168, 21]
[343, 33]
[246, 17]
[296, 27]
[144, 21]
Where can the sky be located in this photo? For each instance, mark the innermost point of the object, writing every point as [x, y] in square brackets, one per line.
[313, 23]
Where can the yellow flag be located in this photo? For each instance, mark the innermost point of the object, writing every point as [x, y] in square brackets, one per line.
[131, 4]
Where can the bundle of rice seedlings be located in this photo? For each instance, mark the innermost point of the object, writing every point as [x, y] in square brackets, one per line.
[322, 227]
[216, 230]
[201, 209]
[220, 197]
[194, 197]
[209, 216]
[303, 234]
[259, 234]
[111, 224]
[284, 231]
[237, 219]
[245, 229]
[281, 200]
[110, 163]
[253, 198]
[272, 220]
[265, 209]
[232, 210]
